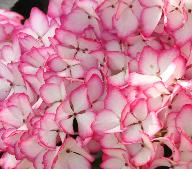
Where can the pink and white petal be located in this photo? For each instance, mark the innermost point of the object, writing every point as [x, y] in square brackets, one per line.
[148, 61]
[8, 161]
[38, 21]
[150, 19]
[67, 6]
[112, 163]
[95, 88]
[122, 23]
[150, 3]
[87, 60]
[48, 138]
[67, 125]
[102, 123]
[75, 147]
[119, 79]
[132, 134]
[28, 69]
[34, 150]
[180, 63]
[57, 64]
[38, 162]
[152, 92]
[27, 42]
[115, 101]
[151, 124]
[160, 86]
[177, 22]
[63, 91]
[53, 9]
[90, 44]
[88, 7]
[34, 58]
[111, 141]
[77, 71]
[136, 79]
[147, 142]
[180, 100]
[5, 88]
[64, 111]
[142, 157]
[79, 99]
[85, 121]
[129, 119]
[3, 34]
[5, 72]
[66, 37]
[140, 109]
[77, 157]
[116, 60]
[49, 157]
[118, 153]
[185, 148]
[106, 16]
[77, 161]
[167, 75]
[65, 52]
[66, 73]
[12, 116]
[78, 18]
[49, 34]
[8, 54]
[184, 34]
[25, 164]
[185, 115]
[155, 104]
[50, 93]
[166, 58]
[3, 146]
[29, 31]
[93, 72]
[185, 143]
[36, 81]
[186, 156]
[67, 161]
[60, 163]
[48, 122]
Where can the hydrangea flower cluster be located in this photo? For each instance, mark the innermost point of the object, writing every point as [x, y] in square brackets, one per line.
[97, 78]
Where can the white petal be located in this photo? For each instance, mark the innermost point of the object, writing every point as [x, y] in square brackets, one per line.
[79, 99]
[150, 19]
[115, 101]
[38, 21]
[85, 121]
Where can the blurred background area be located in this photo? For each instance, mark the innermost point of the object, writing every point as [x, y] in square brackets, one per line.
[23, 7]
